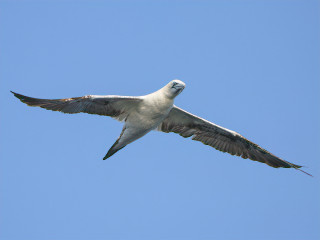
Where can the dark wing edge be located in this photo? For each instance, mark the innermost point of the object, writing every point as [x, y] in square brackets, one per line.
[113, 106]
[188, 125]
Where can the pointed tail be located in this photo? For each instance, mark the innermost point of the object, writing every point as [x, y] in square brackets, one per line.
[113, 150]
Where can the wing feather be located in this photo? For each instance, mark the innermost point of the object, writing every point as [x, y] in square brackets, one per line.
[117, 107]
[188, 125]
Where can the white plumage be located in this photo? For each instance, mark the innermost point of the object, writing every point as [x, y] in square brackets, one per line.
[157, 111]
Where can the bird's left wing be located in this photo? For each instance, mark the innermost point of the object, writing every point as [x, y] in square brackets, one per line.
[187, 125]
[114, 106]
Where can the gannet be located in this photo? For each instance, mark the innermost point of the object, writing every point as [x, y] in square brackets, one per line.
[156, 111]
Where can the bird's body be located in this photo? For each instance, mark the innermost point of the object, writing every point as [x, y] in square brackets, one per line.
[151, 111]
[157, 111]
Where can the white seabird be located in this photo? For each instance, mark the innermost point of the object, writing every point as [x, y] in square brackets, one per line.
[157, 111]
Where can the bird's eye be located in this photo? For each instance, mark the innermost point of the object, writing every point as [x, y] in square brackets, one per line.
[174, 84]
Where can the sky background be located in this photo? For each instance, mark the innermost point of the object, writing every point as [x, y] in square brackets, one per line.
[250, 66]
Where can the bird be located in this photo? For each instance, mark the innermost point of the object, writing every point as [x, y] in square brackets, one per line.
[156, 111]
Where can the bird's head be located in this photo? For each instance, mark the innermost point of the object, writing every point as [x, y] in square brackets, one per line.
[174, 88]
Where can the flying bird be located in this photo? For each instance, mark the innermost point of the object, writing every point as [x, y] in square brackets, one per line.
[156, 111]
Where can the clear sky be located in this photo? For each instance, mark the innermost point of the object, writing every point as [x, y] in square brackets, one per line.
[250, 66]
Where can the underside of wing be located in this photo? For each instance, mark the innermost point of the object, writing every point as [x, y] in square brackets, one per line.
[117, 107]
[188, 125]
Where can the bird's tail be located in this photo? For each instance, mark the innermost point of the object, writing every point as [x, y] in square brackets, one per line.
[113, 150]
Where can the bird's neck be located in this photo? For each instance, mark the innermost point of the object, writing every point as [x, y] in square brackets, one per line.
[160, 99]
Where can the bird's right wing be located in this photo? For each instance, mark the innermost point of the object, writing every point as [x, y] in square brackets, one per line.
[114, 106]
[188, 125]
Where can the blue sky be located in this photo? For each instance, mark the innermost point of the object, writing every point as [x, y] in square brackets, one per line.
[251, 66]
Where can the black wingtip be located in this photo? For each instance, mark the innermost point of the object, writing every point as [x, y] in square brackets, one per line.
[304, 172]
[297, 167]
[17, 95]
